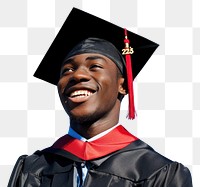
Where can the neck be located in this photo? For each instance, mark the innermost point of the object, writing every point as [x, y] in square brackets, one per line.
[90, 128]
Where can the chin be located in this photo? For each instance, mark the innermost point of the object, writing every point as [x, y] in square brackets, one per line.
[83, 116]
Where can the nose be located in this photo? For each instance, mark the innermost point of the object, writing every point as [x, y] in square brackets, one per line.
[80, 75]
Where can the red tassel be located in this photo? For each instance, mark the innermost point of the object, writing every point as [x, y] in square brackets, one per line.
[127, 51]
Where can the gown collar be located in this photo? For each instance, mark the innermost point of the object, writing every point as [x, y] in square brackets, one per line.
[74, 134]
[108, 143]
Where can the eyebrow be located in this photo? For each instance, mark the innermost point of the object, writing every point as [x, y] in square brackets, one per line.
[95, 57]
[69, 60]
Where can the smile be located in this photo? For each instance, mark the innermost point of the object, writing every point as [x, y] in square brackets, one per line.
[81, 93]
[79, 96]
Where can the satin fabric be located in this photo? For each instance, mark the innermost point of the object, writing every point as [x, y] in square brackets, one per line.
[135, 165]
[97, 148]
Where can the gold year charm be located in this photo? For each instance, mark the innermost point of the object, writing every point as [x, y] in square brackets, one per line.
[127, 51]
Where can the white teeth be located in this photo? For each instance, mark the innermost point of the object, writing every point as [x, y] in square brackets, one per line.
[81, 93]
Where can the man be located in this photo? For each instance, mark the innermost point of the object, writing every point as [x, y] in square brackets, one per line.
[92, 78]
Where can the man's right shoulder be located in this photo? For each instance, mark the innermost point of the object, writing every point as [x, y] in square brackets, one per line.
[31, 162]
[24, 164]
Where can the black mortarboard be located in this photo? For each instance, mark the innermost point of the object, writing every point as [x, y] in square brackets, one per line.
[79, 26]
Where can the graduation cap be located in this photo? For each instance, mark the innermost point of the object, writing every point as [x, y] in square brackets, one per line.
[114, 40]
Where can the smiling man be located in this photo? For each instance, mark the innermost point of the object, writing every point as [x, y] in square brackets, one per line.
[92, 77]
[89, 86]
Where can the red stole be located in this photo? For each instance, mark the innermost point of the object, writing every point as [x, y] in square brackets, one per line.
[115, 140]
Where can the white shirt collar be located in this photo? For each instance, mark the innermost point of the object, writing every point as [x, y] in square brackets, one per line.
[74, 134]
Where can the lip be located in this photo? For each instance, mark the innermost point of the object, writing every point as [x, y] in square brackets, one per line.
[79, 99]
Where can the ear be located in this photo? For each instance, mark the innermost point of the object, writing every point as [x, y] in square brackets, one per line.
[122, 86]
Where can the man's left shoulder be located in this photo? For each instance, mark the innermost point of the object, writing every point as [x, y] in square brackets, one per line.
[138, 161]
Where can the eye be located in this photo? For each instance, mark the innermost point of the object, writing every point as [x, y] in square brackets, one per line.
[67, 70]
[96, 66]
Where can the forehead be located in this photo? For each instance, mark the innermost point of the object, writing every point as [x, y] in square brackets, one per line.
[86, 58]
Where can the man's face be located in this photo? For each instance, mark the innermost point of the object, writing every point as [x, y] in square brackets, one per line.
[89, 86]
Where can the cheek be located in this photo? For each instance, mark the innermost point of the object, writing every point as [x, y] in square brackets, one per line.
[60, 88]
[109, 87]
[61, 85]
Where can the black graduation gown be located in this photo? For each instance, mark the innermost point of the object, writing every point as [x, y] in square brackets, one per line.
[135, 165]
